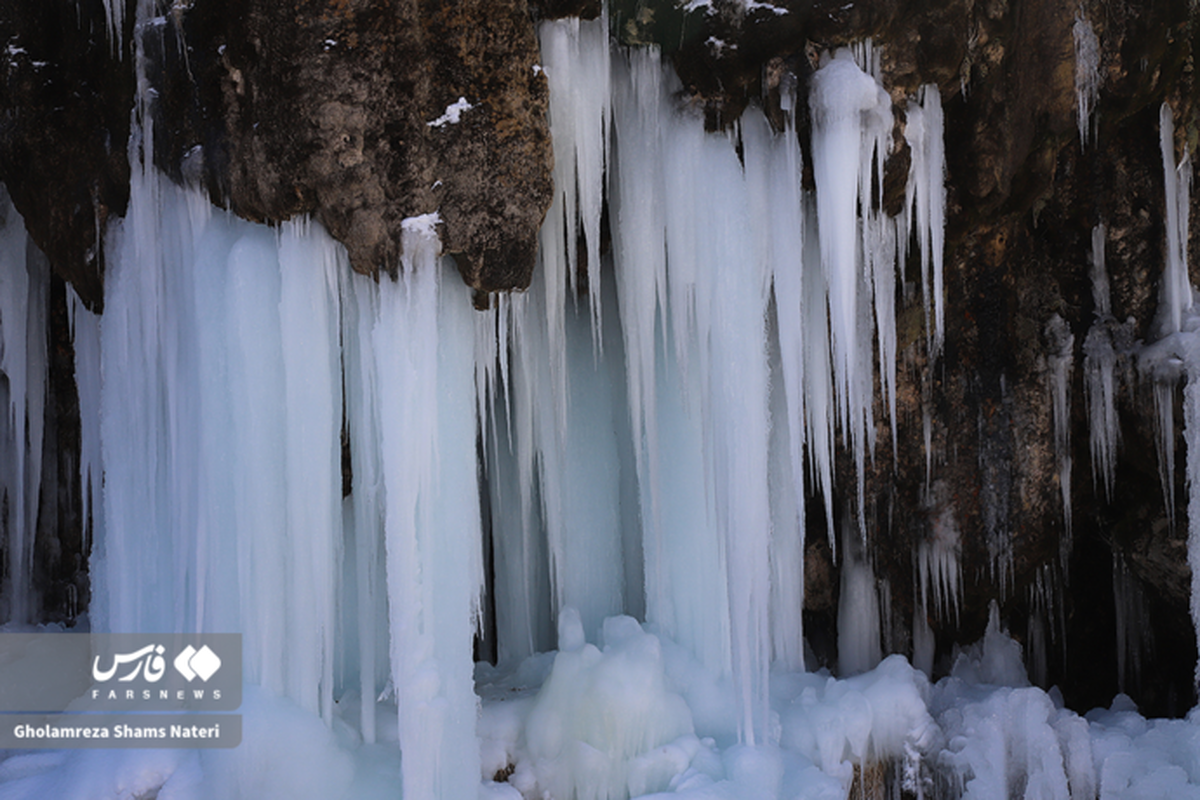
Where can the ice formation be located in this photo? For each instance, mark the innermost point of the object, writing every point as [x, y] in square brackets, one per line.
[1060, 362]
[1087, 76]
[24, 283]
[645, 454]
[1099, 367]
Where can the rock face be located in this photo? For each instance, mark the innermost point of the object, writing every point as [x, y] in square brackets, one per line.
[358, 113]
[364, 112]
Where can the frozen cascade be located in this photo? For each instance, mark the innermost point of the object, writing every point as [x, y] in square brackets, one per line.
[24, 283]
[725, 378]
[738, 340]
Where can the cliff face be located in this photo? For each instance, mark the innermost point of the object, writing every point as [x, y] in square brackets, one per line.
[362, 113]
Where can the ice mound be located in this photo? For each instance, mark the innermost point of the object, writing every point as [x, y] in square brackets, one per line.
[603, 724]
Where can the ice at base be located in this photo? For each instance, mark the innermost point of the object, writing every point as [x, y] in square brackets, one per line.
[634, 716]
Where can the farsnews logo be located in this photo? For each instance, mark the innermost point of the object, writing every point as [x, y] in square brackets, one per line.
[148, 662]
[193, 663]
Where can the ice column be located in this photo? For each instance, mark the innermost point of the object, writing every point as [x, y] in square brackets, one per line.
[693, 280]
[424, 343]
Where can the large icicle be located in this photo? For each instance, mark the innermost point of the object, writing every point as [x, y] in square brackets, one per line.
[1176, 294]
[1099, 368]
[925, 206]
[774, 171]
[1175, 300]
[24, 305]
[1087, 76]
[576, 62]
[423, 342]
[1060, 362]
[695, 326]
[852, 122]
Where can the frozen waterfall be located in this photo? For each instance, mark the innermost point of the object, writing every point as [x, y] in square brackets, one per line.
[608, 473]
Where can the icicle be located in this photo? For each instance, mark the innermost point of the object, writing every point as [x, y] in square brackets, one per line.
[423, 343]
[114, 14]
[1132, 624]
[1087, 76]
[851, 125]
[308, 315]
[1060, 361]
[925, 195]
[1176, 294]
[24, 305]
[1191, 434]
[778, 204]
[85, 337]
[365, 520]
[576, 56]
[938, 568]
[1099, 368]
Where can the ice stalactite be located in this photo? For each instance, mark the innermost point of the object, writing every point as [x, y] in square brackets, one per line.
[925, 207]
[718, 409]
[1176, 293]
[576, 63]
[939, 572]
[1087, 76]
[24, 305]
[423, 340]
[1047, 620]
[1133, 629]
[852, 125]
[85, 338]
[1176, 353]
[1100, 376]
[1060, 363]
[1160, 362]
[114, 15]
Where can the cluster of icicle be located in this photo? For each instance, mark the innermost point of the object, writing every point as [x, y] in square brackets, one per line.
[728, 338]
[1174, 354]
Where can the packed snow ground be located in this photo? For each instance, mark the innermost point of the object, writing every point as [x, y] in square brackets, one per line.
[635, 716]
